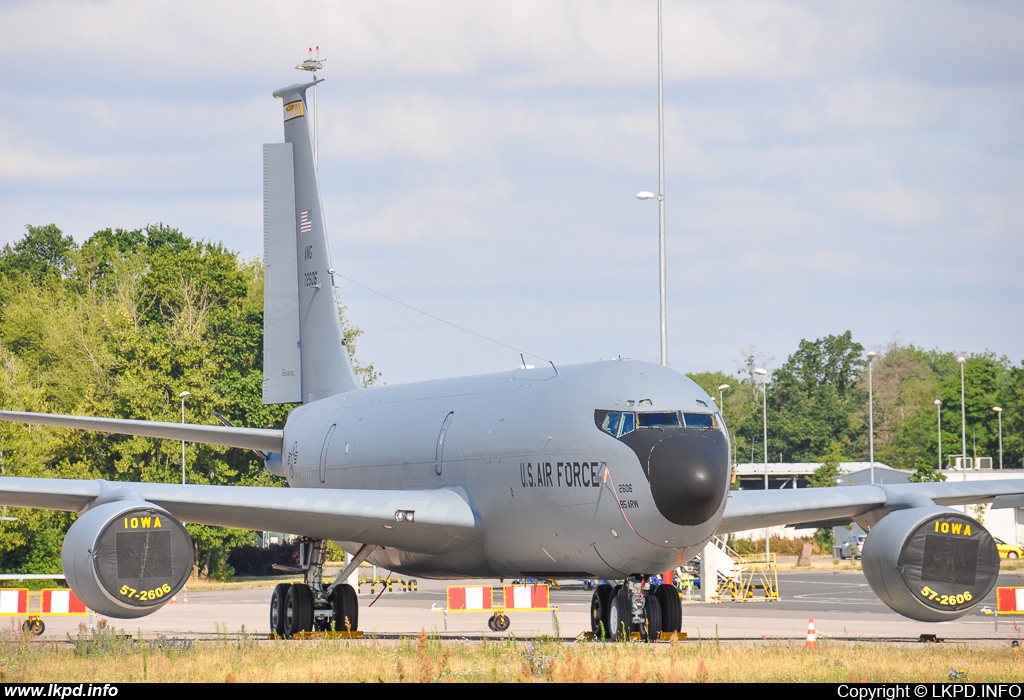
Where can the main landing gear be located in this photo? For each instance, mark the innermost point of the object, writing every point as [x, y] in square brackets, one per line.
[309, 606]
[617, 612]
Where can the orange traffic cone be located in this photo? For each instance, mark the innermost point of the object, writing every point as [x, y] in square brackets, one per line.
[184, 594]
[812, 636]
[174, 599]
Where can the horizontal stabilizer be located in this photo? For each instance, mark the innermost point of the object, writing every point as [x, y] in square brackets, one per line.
[248, 438]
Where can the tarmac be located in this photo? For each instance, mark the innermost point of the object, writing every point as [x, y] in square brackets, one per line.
[841, 604]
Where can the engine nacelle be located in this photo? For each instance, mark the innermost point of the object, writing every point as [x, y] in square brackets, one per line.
[930, 564]
[126, 558]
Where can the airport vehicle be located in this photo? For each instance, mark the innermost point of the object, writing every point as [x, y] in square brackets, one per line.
[613, 470]
[1007, 550]
[852, 547]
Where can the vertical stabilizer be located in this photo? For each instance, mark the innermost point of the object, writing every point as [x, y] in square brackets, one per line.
[305, 357]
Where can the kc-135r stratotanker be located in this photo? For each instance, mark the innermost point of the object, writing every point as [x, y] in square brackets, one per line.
[615, 470]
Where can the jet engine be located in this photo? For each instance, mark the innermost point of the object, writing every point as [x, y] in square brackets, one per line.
[126, 558]
[930, 563]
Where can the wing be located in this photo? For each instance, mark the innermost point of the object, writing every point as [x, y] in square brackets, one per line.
[748, 510]
[442, 520]
[228, 436]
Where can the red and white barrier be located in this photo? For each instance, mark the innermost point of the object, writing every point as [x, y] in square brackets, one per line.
[1010, 600]
[527, 597]
[470, 598]
[13, 601]
[61, 601]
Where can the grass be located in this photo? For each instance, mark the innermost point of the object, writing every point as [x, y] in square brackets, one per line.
[112, 656]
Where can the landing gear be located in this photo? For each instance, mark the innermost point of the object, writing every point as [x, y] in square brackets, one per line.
[277, 609]
[298, 610]
[616, 613]
[599, 608]
[303, 607]
[345, 606]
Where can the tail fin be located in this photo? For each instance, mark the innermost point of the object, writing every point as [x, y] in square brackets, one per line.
[304, 353]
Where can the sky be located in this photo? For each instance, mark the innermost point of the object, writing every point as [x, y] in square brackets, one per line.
[829, 166]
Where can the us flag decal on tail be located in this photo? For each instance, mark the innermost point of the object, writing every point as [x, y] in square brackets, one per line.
[305, 225]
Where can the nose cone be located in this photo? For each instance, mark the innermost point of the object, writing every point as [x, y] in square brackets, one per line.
[688, 470]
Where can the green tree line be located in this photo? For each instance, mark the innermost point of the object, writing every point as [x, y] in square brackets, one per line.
[818, 409]
[119, 326]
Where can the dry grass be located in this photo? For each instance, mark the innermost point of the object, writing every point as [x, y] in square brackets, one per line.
[109, 657]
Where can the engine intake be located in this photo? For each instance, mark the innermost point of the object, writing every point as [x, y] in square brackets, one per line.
[126, 558]
[930, 564]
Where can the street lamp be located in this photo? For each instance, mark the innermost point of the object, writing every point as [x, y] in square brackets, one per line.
[938, 413]
[999, 412]
[183, 395]
[963, 422]
[764, 413]
[871, 414]
[661, 191]
[721, 410]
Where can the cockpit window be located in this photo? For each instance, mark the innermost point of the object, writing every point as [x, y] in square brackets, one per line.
[660, 419]
[628, 423]
[699, 420]
[611, 423]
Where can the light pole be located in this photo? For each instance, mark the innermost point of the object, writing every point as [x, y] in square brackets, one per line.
[871, 414]
[661, 192]
[963, 422]
[183, 395]
[938, 413]
[999, 412]
[764, 414]
[721, 409]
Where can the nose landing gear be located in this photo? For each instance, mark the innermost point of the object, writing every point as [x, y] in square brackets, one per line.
[633, 607]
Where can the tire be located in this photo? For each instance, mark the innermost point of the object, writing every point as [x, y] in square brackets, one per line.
[651, 629]
[1011, 555]
[842, 554]
[501, 622]
[671, 608]
[34, 627]
[345, 604]
[490, 624]
[298, 616]
[599, 606]
[620, 616]
[277, 609]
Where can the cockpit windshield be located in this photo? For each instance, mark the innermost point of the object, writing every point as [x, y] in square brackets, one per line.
[619, 423]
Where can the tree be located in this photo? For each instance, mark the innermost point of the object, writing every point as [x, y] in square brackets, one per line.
[119, 327]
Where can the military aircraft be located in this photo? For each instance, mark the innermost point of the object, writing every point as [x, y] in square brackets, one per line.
[616, 470]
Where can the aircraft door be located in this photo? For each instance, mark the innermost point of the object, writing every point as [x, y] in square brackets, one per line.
[439, 452]
[323, 453]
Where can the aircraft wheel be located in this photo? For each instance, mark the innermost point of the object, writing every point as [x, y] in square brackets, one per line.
[346, 608]
[298, 610]
[671, 608]
[620, 614]
[277, 609]
[651, 629]
[501, 622]
[600, 603]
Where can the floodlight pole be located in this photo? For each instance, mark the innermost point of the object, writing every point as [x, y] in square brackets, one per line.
[183, 395]
[938, 414]
[999, 412]
[963, 423]
[661, 190]
[764, 414]
[871, 413]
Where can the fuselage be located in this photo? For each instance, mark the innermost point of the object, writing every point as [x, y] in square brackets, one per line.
[589, 471]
